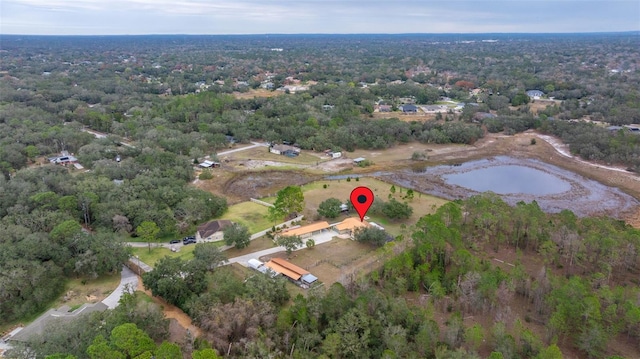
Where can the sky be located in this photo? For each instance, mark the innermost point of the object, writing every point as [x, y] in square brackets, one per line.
[139, 17]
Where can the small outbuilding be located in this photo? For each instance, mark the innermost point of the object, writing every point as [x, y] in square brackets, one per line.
[209, 164]
[309, 278]
[291, 271]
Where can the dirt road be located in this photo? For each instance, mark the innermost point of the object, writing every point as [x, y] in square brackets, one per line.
[172, 312]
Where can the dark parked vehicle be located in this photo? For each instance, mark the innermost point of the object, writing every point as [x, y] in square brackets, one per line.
[174, 241]
[189, 240]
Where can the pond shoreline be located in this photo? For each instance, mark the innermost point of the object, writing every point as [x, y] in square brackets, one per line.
[586, 197]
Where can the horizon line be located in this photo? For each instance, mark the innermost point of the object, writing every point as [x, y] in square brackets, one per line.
[339, 34]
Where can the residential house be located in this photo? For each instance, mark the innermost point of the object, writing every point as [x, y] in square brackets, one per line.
[479, 116]
[306, 232]
[410, 109]
[535, 94]
[434, 108]
[285, 150]
[64, 159]
[349, 226]
[384, 108]
[212, 230]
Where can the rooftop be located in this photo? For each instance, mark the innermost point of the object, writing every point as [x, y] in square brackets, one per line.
[306, 229]
[351, 223]
[207, 229]
[286, 268]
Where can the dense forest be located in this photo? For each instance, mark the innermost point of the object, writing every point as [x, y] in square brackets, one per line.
[579, 287]
[164, 102]
[130, 86]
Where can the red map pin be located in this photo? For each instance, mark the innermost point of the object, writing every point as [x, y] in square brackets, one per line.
[361, 199]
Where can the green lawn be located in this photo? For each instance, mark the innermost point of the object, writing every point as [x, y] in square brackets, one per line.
[250, 214]
[262, 153]
[150, 258]
[315, 193]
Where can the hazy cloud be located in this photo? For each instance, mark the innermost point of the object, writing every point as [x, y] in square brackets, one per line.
[314, 16]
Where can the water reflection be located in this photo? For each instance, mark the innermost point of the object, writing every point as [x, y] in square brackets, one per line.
[509, 179]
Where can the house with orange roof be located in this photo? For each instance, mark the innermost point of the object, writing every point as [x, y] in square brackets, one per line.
[349, 226]
[307, 231]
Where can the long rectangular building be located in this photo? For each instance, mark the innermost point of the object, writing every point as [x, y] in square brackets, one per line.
[290, 270]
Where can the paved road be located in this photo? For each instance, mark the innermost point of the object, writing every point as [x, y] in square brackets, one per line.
[98, 134]
[319, 238]
[127, 277]
[254, 145]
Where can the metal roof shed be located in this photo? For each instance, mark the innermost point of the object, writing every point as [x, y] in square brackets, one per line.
[254, 263]
[309, 278]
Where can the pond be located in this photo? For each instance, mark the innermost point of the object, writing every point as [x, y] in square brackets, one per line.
[509, 179]
[514, 180]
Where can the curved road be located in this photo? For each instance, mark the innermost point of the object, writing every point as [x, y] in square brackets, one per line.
[127, 279]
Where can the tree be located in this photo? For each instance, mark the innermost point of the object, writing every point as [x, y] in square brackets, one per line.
[148, 231]
[133, 308]
[420, 156]
[65, 230]
[310, 243]
[289, 243]
[209, 254]
[520, 99]
[409, 195]
[237, 235]
[550, 352]
[267, 288]
[205, 354]
[31, 152]
[168, 350]
[330, 208]
[373, 235]
[289, 200]
[131, 340]
[100, 349]
[175, 280]
[397, 210]
[234, 323]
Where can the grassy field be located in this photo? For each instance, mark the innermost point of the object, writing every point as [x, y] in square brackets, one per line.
[150, 258]
[90, 291]
[262, 153]
[397, 153]
[315, 193]
[329, 260]
[250, 214]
